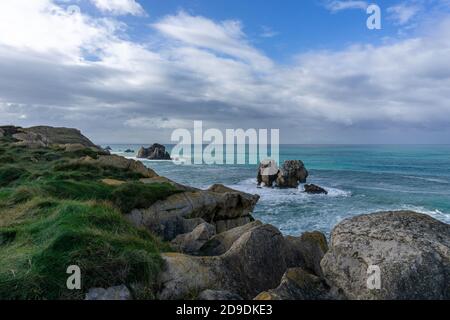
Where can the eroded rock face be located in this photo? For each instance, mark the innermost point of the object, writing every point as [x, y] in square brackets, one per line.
[220, 206]
[191, 242]
[267, 173]
[411, 250]
[297, 284]
[155, 152]
[292, 173]
[222, 242]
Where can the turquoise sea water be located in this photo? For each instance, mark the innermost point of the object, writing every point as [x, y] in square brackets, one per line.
[360, 179]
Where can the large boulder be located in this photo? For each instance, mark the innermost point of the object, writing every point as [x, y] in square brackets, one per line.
[220, 206]
[255, 262]
[155, 152]
[297, 284]
[119, 163]
[411, 251]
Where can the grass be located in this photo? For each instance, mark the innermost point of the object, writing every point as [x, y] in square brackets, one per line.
[54, 213]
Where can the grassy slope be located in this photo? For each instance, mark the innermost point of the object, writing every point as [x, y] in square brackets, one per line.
[54, 214]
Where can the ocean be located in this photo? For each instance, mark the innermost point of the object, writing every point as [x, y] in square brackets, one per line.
[360, 179]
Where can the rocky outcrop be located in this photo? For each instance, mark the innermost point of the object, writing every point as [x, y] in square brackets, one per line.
[155, 152]
[129, 151]
[191, 242]
[411, 252]
[119, 163]
[290, 175]
[113, 293]
[218, 295]
[313, 189]
[220, 206]
[297, 284]
[43, 136]
[255, 262]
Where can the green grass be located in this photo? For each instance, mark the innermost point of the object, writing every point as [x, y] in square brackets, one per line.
[54, 213]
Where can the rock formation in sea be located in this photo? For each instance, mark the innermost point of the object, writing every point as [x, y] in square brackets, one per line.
[155, 152]
[313, 189]
[289, 175]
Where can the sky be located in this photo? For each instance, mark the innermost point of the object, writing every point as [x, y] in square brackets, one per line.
[132, 71]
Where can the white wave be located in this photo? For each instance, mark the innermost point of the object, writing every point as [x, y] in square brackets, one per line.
[276, 196]
[437, 214]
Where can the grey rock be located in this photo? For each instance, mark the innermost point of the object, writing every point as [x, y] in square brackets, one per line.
[220, 206]
[221, 243]
[307, 251]
[412, 251]
[297, 284]
[292, 173]
[191, 242]
[267, 173]
[254, 263]
[313, 189]
[155, 152]
[112, 293]
[218, 295]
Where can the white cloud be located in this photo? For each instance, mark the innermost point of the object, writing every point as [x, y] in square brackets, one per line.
[120, 7]
[339, 5]
[402, 13]
[225, 37]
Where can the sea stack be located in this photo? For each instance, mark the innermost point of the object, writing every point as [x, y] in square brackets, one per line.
[155, 152]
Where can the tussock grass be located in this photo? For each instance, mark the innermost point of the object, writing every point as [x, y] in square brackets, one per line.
[54, 213]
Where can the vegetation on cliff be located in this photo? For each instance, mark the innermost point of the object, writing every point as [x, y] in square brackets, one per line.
[56, 212]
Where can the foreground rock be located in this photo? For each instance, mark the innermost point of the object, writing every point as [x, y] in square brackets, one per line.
[290, 175]
[218, 295]
[313, 189]
[220, 206]
[155, 152]
[191, 242]
[297, 284]
[254, 263]
[113, 293]
[411, 250]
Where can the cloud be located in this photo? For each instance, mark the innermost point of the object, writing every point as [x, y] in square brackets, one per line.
[337, 5]
[226, 37]
[86, 73]
[120, 7]
[402, 13]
